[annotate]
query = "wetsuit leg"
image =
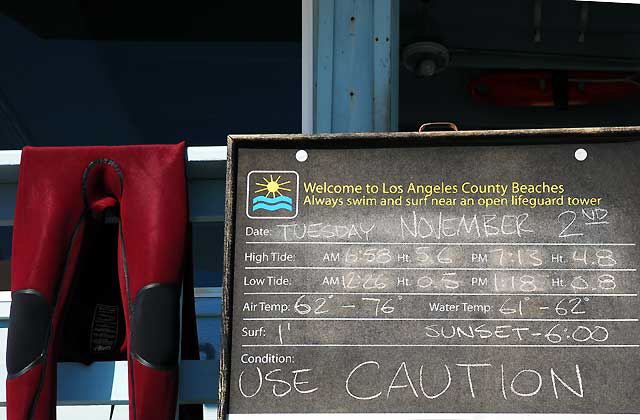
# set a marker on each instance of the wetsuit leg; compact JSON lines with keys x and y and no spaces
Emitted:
{"x":48,"y":230}
{"x":152,"y":241}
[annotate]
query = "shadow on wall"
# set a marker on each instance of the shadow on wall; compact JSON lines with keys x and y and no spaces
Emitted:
{"x":5,"y":275}
{"x":5,"y":257}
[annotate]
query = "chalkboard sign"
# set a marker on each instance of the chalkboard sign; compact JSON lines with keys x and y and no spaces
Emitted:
{"x":473,"y":272}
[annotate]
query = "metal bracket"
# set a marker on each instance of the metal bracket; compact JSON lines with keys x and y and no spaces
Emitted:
{"x":425,"y":58}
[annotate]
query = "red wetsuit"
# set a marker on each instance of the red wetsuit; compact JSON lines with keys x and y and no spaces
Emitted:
{"x":85,"y":288}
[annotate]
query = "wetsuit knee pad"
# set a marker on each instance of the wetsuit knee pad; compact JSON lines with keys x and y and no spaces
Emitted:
{"x":156,"y":326}
{"x":29,"y":327}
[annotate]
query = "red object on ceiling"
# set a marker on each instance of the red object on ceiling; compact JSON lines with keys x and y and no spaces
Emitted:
{"x":541,"y":88}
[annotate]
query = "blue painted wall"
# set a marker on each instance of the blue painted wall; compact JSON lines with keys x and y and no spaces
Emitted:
{"x":65,"y":92}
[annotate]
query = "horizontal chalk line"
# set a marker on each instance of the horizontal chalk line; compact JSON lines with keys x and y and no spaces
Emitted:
{"x":436,"y":243}
{"x":449,"y":319}
{"x":447,"y":345}
{"x":444,"y":294}
{"x":442,"y":268}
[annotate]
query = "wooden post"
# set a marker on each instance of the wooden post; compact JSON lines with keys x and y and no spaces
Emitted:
{"x":355,"y":65}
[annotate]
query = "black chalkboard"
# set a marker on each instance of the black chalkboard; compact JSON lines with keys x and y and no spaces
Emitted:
{"x":471,"y":272}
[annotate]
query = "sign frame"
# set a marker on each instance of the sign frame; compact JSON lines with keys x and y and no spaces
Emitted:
{"x":371,"y":140}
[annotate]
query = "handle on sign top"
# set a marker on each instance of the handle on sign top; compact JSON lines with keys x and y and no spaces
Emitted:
{"x":451,"y":126}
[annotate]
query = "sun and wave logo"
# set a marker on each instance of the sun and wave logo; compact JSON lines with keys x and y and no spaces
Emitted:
{"x":272,"y":194}
{"x":275,"y":188}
